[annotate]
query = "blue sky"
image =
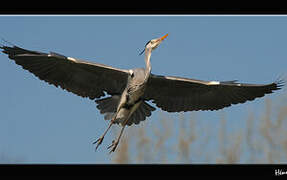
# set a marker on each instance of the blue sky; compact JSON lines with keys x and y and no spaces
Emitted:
{"x":44,"y":124}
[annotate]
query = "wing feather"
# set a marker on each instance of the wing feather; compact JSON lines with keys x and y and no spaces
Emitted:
{"x":175,"y":94}
{"x":82,"y":78}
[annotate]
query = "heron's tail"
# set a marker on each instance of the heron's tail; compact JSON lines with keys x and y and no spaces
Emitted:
{"x":143,"y":111}
{"x":108,"y":106}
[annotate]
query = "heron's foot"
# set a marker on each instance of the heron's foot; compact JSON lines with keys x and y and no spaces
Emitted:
{"x":99,"y":141}
{"x":113,"y":146}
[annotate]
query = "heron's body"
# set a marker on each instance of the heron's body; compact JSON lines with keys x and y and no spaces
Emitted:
{"x":131,"y":97}
{"x":130,"y":90}
{"x":135,"y":87}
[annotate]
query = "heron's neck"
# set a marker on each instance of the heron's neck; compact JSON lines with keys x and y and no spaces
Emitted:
{"x":148,"y":64}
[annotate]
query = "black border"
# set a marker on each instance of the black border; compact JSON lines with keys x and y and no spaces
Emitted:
{"x":141,"y":170}
{"x":142,"y":7}
{"x":138,"y":170}
{"x":143,"y":11}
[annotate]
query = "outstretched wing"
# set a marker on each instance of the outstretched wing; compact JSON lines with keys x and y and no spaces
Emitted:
{"x":175,"y":94}
{"x":82,"y":78}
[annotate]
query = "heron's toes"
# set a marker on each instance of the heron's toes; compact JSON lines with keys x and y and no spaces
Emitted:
{"x":113,"y":146}
{"x":98,"y":141}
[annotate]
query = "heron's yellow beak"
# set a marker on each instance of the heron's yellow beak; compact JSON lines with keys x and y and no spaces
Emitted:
{"x":163,"y":37}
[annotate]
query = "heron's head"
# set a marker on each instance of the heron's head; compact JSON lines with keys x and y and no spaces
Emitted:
{"x":154,"y":43}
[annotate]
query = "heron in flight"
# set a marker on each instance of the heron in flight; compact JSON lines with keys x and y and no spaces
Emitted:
{"x":129,"y":90}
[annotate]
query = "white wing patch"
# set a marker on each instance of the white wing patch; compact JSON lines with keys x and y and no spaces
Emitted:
{"x":72,"y":59}
{"x":213,"y":83}
{"x":131,"y":72}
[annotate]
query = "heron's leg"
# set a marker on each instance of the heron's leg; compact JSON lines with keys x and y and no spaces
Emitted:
{"x":115,"y":143}
{"x":100,"y":140}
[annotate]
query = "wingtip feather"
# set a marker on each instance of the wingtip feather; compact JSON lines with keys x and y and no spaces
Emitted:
{"x":280,"y":83}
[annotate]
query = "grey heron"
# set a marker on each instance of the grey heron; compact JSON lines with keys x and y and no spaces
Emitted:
{"x":129,"y":90}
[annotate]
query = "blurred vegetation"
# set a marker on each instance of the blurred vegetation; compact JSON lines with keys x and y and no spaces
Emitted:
{"x":183,"y":138}
{"x":262,"y":139}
